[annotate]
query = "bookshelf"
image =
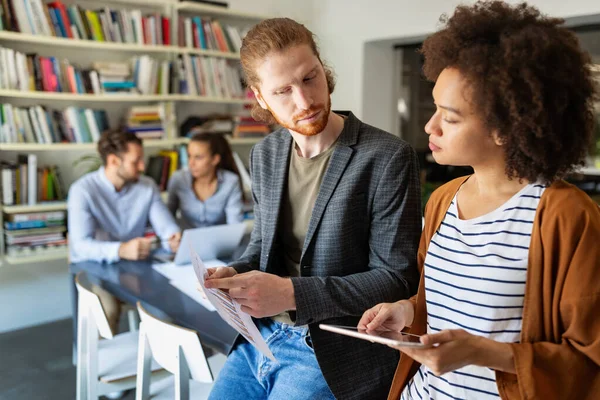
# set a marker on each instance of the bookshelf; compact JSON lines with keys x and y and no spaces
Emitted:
{"x":179,"y":105}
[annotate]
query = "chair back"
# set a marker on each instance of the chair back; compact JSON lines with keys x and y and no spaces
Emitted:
{"x":90,"y":306}
{"x":168,"y":341}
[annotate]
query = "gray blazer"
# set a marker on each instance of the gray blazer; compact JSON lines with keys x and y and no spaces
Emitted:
{"x":360,"y":248}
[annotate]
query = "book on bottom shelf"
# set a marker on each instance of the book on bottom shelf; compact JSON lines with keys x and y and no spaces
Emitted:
{"x":28,"y":234}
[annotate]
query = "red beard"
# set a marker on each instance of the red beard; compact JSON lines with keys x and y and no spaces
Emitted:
{"x":308,"y":129}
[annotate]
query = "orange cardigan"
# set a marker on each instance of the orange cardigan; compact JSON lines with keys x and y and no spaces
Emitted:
{"x":559,"y":353}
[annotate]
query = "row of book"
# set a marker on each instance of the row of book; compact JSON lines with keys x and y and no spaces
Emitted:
{"x":31,"y":233}
{"x":40,"y":125}
{"x":73,"y":22}
{"x":23,"y":182}
{"x":32,"y":72}
{"x":206,"y":76}
{"x":207,"y":34}
{"x":115,"y":25}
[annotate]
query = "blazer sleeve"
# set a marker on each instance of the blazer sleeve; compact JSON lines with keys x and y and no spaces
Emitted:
{"x":570,"y":366}
{"x":392,"y":273}
{"x":250,"y":260}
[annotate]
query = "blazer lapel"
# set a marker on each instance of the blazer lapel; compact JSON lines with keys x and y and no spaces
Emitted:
{"x":337,"y":165}
{"x":280,"y":171}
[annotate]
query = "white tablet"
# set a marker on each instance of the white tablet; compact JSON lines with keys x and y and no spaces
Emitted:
{"x":390,"y":338}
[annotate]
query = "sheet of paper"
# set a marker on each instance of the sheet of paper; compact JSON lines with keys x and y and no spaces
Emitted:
{"x":183,"y":278}
{"x":230,"y":310}
{"x":175,"y":272}
{"x":182,"y":272}
{"x":191,"y":289}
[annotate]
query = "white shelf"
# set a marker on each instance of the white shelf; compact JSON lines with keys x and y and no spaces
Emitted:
{"x":117,"y":98}
{"x":37,"y":95}
{"x":149,"y":143}
{"x":83,"y":44}
{"x":110,"y":46}
{"x":209,"y":53}
{"x":589,"y":171}
{"x":41,"y":207}
{"x":81,"y":146}
{"x":233,"y":141}
{"x":40,"y":257}
{"x":187,"y":6}
{"x":206,"y":99}
{"x":143,"y":3}
{"x":245,"y":140}
{"x":49,"y":206}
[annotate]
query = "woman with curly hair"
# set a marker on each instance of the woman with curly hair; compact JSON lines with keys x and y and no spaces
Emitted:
{"x":509,"y":256}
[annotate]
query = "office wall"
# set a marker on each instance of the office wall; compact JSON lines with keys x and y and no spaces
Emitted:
{"x":350,"y":30}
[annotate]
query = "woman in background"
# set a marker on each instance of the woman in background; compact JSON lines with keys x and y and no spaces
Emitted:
{"x":208,"y":192}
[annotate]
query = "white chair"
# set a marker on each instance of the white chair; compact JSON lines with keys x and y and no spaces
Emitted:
{"x":108,"y":365}
{"x":178,"y":350}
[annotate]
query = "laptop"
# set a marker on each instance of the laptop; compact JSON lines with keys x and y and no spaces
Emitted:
{"x":213,"y":242}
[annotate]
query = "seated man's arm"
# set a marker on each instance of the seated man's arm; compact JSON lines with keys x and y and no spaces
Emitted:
{"x":394,"y":237}
{"x":82,"y":230}
{"x":250,"y":260}
{"x":161,"y":219}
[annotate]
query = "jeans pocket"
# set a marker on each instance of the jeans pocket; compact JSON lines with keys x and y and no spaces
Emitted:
{"x":308,"y":342}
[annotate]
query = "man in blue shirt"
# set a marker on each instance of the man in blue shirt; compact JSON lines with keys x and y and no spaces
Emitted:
{"x":110,"y":209}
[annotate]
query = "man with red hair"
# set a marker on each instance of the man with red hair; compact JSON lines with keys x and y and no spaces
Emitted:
{"x":337,"y":225}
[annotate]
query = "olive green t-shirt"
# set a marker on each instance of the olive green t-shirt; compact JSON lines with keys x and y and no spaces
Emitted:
{"x":304,"y":181}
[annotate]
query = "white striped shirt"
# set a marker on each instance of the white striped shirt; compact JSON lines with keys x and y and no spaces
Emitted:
{"x":475,"y":272}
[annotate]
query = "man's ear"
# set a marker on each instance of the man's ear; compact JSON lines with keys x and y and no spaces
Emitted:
{"x":112,"y":160}
{"x":259,"y":98}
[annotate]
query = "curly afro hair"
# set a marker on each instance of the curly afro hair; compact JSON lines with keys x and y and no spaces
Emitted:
{"x":531,"y":82}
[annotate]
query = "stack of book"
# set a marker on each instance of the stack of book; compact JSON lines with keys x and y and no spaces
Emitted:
{"x":207,"y":34}
{"x":30,"y":233}
{"x":102,"y":25}
{"x":40,"y":125}
{"x":24,"y":183}
{"x":112,"y":77}
{"x":215,"y":123}
{"x":247,"y":127}
{"x":162,"y":166}
{"x":146,"y":122}
{"x":206,"y":76}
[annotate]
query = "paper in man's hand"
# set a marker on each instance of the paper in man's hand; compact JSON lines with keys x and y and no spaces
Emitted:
{"x":230,"y":310}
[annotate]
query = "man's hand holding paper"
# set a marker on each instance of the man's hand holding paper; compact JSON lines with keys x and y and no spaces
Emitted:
{"x":260,"y":294}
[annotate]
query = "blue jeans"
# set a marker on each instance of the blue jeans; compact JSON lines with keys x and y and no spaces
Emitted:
{"x":248,"y":375}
